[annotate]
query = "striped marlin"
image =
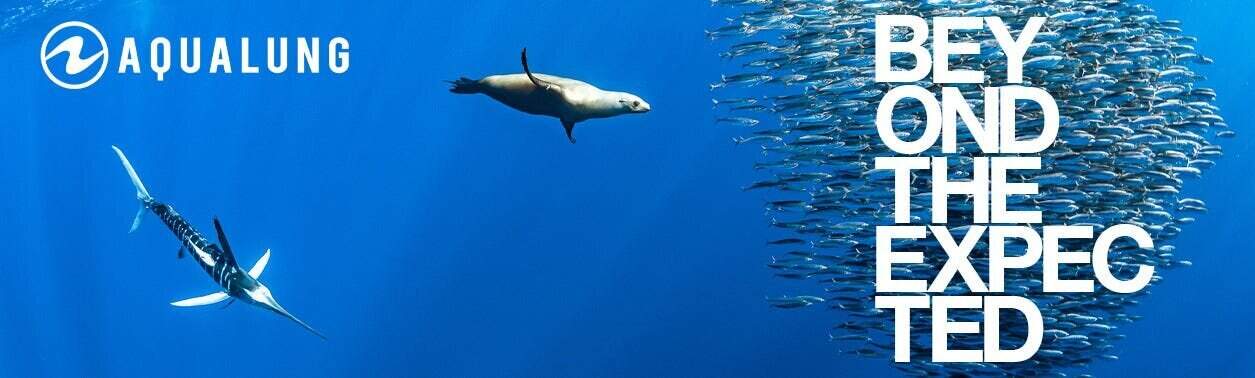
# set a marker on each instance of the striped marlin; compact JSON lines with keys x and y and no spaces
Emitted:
{"x":217,"y":260}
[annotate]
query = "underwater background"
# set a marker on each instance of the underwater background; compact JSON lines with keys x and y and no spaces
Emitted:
{"x":429,"y":234}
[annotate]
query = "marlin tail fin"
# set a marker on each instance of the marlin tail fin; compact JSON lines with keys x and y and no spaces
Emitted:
{"x":141,"y":193}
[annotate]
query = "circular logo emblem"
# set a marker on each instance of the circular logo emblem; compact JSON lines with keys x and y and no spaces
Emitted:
{"x":72,"y":44}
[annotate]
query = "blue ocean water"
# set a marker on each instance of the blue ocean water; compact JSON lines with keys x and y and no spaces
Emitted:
{"x":429,"y":234}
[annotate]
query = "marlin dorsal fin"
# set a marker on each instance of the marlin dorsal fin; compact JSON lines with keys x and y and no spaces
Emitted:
{"x":222,"y":238}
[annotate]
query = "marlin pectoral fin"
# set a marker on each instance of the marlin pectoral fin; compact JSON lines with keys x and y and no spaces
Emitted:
{"x":569,"y":126}
{"x":228,"y":303}
{"x":260,"y":266}
{"x":201,"y":300}
{"x":181,"y":248}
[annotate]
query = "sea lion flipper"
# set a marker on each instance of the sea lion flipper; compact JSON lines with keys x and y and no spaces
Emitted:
{"x":528,"y":70}
{"x":537,"y":82}
{"x":569,"y":126}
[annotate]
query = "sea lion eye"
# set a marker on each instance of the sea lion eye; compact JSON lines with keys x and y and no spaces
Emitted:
{"x":636,"y":103}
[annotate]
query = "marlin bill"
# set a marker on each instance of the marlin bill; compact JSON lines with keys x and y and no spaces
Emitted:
{"x":217,"y":260}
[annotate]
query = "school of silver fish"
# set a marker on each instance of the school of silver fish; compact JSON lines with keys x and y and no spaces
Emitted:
{"x":1135,"y":124}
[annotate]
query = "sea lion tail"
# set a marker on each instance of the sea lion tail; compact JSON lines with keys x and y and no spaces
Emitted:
{"x":464,"y":86}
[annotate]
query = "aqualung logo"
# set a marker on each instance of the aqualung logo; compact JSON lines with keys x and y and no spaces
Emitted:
{"x":75,"y":55}
{"x":71,"y":45}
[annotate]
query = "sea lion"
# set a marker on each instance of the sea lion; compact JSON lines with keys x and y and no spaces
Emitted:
{"x":571,"y":101}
